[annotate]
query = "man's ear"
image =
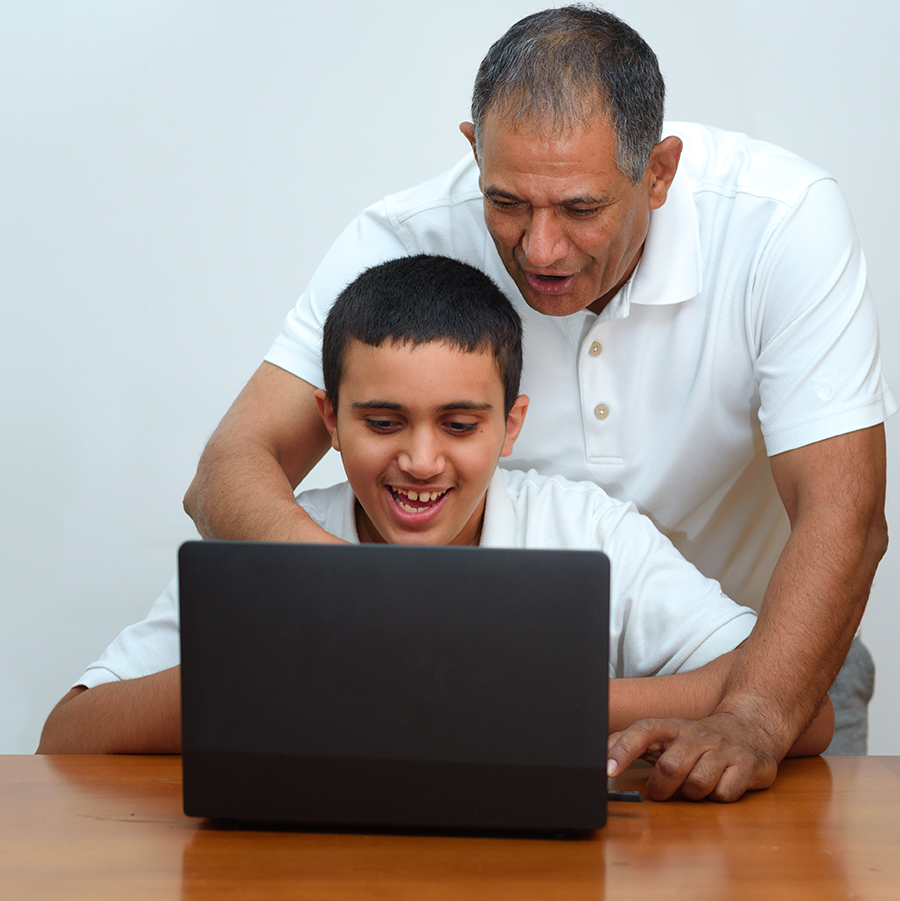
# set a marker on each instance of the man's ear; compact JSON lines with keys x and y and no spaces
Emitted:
{"x":514,"y":423}
{"x":663,"y":165}
{"x":468,"y":129}
{"x":329,"y":417}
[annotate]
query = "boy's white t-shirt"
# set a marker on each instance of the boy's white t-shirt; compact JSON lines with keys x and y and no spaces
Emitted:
{"x":665,"y":617}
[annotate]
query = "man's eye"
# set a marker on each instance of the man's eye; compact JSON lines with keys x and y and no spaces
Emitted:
{"x":502,"y":204}
{"x":380,"y":425}
{"x":462,"y":427}
{"x":582,"y":212}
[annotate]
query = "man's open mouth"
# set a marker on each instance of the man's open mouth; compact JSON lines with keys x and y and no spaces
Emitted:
{"x":549,"y":284}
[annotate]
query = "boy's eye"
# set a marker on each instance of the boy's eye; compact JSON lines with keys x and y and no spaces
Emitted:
{"x":380,"y":425}
{"x":461,"y":427}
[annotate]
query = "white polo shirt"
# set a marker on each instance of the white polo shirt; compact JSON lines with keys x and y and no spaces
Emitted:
{"x":665,"y":617}
{"x":746,"y":330}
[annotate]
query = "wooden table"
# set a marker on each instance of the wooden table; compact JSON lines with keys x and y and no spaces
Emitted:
{"x":112,"y":828}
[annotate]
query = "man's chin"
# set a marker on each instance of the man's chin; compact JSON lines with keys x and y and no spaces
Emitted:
{"x":549,"y":303}
{"x":553,"y":304}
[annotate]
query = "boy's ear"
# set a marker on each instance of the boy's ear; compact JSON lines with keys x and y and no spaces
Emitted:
{"x":329,"y":417}
{"x":514,"y":423}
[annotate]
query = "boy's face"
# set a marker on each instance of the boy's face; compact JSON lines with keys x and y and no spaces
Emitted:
{"x":420,"y":430}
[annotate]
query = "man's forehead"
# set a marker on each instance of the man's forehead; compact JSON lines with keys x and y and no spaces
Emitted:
{"x":531,"y":116}
{"x":575,"y":165}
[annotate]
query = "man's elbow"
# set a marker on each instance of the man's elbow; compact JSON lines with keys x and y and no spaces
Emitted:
{"x":190,"y":501}
{"x":877,"y":538}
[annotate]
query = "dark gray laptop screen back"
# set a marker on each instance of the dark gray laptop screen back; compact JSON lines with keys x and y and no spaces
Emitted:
{"x":394,"y":685}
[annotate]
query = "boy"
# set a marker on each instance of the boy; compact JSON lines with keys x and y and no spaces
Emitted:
{"x":421,"y":359}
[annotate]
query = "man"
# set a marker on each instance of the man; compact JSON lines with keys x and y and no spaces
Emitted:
{"x":422,"y":358}
{"x":699,"y":339}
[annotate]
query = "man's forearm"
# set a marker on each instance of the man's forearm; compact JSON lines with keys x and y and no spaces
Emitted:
{"x":265,"y":444}
{"x":834,"y":495}
{"x":813,"y":606}
{"x":135,"y":716}
{"x":241,"y":493}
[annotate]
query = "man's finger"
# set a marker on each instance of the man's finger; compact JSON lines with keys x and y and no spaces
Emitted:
{"x":678,"y":765}
{"x":736,"y":780}
{"x":637,"y":740}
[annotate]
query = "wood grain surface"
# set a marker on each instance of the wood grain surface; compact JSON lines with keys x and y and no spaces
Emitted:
{"x":86,"y":827}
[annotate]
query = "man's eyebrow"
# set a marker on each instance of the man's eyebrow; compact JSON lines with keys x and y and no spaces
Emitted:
{"x":586,"y":200}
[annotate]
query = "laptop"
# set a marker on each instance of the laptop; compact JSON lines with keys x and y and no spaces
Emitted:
{"x":407,"y":687}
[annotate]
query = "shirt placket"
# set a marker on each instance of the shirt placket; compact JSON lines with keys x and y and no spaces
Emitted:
{"x":601,"y":412}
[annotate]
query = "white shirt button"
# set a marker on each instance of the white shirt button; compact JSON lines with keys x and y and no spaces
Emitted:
{"x":595,"y":349}
{"x":601,"y":411}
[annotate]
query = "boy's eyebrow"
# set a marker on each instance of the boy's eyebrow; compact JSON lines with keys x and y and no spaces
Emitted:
{"x":467,"y":405}
{"x":391,"y":405}
{"x":376,"y":405}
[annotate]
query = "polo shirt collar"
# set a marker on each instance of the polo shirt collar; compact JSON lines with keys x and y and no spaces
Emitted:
{"x":499,"y":528}
{"x":670,"y":269}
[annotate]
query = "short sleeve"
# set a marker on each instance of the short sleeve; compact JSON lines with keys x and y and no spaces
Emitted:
{"x":665,"y":616}
{"x":147,"y":647}
{"x":369,"y":240}
{"x":813,"y":321}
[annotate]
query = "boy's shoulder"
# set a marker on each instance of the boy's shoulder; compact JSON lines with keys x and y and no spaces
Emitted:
{"x":552,"y":511}
{"x":332,"y":509}
{"x":521,"y":482}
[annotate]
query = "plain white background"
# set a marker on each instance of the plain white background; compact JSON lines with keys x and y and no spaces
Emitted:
{"x":172,"y":172}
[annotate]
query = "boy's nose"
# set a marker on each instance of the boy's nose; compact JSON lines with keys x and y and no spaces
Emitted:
{"x":422,"y":457}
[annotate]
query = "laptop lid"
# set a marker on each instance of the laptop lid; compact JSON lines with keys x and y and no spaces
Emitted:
{"x":395,"y":686}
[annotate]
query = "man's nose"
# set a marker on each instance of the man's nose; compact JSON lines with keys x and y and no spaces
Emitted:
{"x":421,"y":456}
{"x":544,"y":242}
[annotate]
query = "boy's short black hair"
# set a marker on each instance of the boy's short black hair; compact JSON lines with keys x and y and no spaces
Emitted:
{"x":418,"y":300}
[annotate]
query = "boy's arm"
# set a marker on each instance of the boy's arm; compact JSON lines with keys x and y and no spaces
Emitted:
{"x":655,"y":719}
{"x":134,"y":716}
{"x":690,"y":695}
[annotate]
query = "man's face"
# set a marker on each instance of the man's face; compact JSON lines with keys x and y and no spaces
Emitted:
{"x":568,"y":225}
{"x":420,"y":430}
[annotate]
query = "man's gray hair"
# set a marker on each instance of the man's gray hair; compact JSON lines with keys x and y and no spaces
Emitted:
{"x":562,"y":67}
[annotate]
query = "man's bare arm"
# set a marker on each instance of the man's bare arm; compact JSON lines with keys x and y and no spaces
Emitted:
{"x":268,"y":441}
{"x":135,"y":716}
{"x":833,"y":492}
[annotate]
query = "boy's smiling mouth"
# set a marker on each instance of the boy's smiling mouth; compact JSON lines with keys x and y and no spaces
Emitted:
{"x":415,"y":501}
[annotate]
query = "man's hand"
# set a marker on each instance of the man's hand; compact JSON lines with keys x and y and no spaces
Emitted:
{"x":719,"y":757}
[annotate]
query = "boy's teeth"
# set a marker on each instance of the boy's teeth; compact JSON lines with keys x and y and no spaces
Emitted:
{"x":424,"y":496}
